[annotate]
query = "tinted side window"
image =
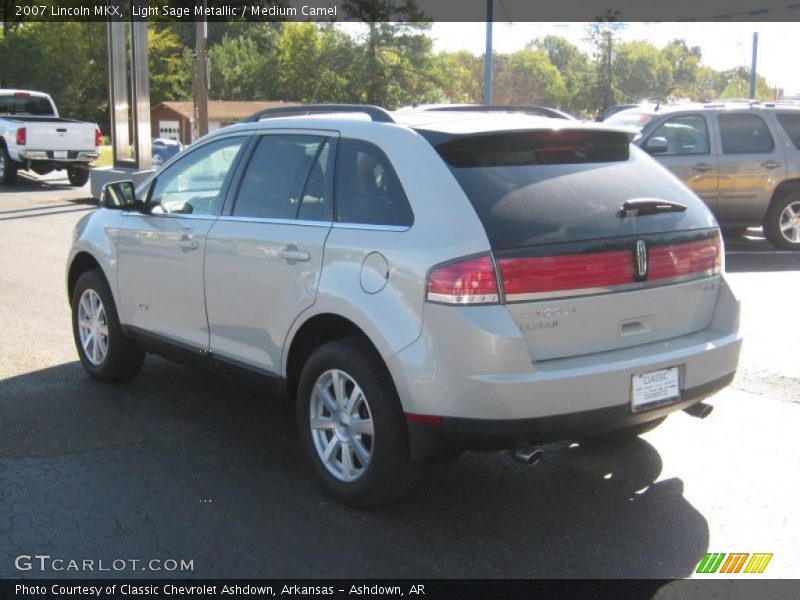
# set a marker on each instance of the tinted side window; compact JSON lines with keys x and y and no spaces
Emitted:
{"x":791,"y":125}
{"x":276,"y":175}
{"x":368,"y":190}
{"x":196,"y":184}
{"x":317,"y":201}
{"x":687,"y":134}
{"x":743,"y":134}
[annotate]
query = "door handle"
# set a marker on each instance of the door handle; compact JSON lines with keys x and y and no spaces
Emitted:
{"x":702,"y":167}
{"x":187,"y":244}
{"x":292,"y":253}
{"x":771,"y":164}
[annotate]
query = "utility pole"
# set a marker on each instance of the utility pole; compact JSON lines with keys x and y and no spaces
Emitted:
{"x":201,"y":75}
{"x":753,"y":67}
{"x":487,"y":62}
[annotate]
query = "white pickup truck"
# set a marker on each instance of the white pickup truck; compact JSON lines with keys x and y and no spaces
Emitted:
{"x":34,"y":137}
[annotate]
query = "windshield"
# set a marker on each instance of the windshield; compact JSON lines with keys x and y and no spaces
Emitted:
{"x":628,"y":118}
{"x":20,"y":104}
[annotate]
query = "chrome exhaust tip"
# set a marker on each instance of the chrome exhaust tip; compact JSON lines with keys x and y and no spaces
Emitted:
{"x":527,"y":455}
{"x":699,"y":410}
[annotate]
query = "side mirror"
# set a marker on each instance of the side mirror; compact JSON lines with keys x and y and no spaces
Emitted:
{"x":119,"y":195}
{"x":656,"y":145}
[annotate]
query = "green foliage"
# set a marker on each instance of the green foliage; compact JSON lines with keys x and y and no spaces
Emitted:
{"x":528,"y":77}
{"x":641,"y":71}
{"x":391,"y":63}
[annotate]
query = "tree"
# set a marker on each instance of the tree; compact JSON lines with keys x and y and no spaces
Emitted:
{"x":577,"y":71}
{"x":396,"y":63}
{"x":170,"y":65}
{"x":641,"y":72}
{"x":460,"y":77}
{"x":528,"y":77}
{"x":685,"y":64}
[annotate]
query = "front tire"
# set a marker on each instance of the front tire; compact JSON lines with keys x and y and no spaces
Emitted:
{"x":782,"y":223}
{"x":352,"y":426}
{"x":106,"y":354}
{"x":8,"y":169}
{"x":77,"y":176}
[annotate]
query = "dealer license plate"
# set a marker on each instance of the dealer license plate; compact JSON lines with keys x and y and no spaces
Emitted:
{"x":655,"y":388}
{"x":59,"y":154}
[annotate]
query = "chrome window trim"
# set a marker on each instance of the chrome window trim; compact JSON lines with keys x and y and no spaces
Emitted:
{"x":272,"y":221}
{"x":626,"y":287}
{"x":368,"y":226}
{"x":208,"y":217}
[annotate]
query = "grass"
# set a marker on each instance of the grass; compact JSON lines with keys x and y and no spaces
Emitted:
{"x":106,"y":157}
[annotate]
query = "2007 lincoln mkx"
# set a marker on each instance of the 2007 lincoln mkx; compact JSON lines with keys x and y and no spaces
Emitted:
{"x":387,"y":272}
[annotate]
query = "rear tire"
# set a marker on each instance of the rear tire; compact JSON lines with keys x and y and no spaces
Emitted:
{"x":782,"y":222}
{"x":106,"y":354}
{"x":628,"y":433}
{"x":77,"y":176}
{"x":8,"y":168}
{"x":352,"y":427}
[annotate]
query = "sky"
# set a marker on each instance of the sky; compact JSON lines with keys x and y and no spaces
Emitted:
{"x":724,"y":44}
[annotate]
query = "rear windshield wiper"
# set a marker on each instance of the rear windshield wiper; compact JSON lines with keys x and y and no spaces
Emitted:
{"x":648,"y":206}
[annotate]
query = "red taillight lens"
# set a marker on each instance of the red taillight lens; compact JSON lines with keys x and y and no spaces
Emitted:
{"x":531,"y":278}
{"x":470,"y":281}
{"x":22,"y":136}
{"x":98,"y":137}
{"x":547,"y":274}
{"x":679,"y":260}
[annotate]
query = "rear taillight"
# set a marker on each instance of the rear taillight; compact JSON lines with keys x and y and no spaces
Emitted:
{"x":22,"y":136}
{"x":98,"y":137}
{"x":691,"y":258}
{"x":525,"y":278}
{"x":469,"y":281}
{"x":532,"y":278}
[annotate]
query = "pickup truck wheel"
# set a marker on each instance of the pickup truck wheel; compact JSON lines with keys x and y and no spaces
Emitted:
{"x":352,"y":426}
{"x":77,"y":176}
{"x":782,"y":223}
{"x":8,"y":170}
{"x":105,"y":352}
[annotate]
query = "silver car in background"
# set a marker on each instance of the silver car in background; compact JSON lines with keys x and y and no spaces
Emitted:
{"x":420,"y":283}
{"x":742,"y":159}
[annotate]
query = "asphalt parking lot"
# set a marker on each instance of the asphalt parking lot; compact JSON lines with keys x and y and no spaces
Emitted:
{"x":180,"y":464}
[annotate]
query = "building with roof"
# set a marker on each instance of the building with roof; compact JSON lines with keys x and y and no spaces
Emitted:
{"x":174,"y":120}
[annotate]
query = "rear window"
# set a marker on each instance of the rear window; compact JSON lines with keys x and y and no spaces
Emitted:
{"x":530,"y":188}
{"x":791,"y":125}
{"x":13,"y":104}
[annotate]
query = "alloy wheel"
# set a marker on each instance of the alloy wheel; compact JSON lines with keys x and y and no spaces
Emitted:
{"x":93,"y":327}
{"x":789,"y":222}
{"x":341,"y":425}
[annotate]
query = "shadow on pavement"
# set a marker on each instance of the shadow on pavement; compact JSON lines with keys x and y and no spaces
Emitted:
{"x":182,"y":464}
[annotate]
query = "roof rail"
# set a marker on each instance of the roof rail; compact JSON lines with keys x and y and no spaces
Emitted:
{"x":376,"y":113}
{"x":539,"y":111}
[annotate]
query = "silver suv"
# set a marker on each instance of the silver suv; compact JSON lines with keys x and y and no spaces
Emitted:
{"x":742,"y":159}
{"x":419,"y":284}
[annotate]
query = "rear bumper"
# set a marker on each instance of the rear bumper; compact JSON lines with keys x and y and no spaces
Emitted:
{"x":433,"y":442}
{"x":49,"y":156}
{"x":472,"y":367}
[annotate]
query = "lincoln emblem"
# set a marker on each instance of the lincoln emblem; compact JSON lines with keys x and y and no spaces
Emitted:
{"x":641,"y":260}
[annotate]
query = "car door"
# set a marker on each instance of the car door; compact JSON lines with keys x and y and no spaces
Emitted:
{"x":160,"y":253}
{"x":264,"y":255}
{"x":751,"y":164}
{"x":688,"y":154}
